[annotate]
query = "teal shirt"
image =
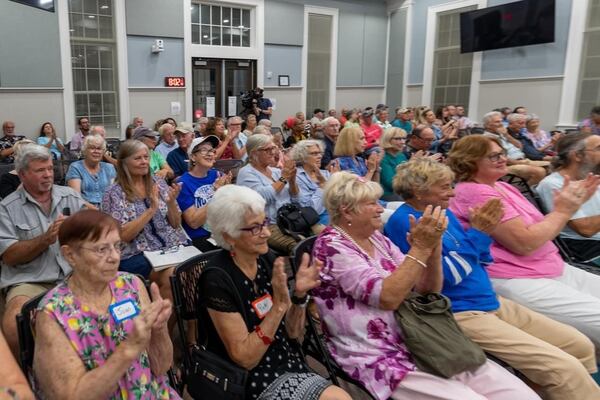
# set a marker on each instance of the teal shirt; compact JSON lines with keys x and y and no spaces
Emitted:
{"x":388,"y":170}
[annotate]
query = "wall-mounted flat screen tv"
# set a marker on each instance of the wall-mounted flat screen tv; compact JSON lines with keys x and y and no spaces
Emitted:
{"x":520,"y":23}
{"x":47,"y":5}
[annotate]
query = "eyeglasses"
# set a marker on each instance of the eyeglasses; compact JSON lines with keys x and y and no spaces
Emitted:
{"x":269,"y":149}
{"x":204,"y":152}
{"x":495,"y":157}
{"x":425,"y":140}
{"x":315,"y":153}
{"x":399,"y":138}
{"x":256,"y":229}
{"x":96,"y":148}
{"x":104,"y":249}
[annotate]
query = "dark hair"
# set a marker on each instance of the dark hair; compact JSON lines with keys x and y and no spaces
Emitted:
{"x":516,"y":108}
{"x":574,"y":142}
{"x":86,"y":225}
{"x":439,"y":114}
{"x":416,"y":132}
{"x":211,"y":125}
{"x":80,"y":118}
{"x":42,"y":134}
{"x":129,"y":131}
{"x":595,"y":110}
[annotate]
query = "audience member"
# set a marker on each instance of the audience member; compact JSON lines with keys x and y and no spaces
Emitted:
{"x":198,"y":186}
{"x":419,"y":142}
{"x":577,"y":156}
{"x":249,"y":124}
{"x":541,"y":139}
{"x":77,"y":139}
{"x":216,"y":127}
{"x":392,"y":143}
{"x":8,"y":141}
{"x":10,"y":181}
{"x":591,"y":124}
{"x":29,"y":222}
{"x":382,"y":117}
{"x":129,"y":131}
{"x":535,"y":345}
{"x":90,"y":342}
{"x":445,"y":133}
{"x":49,"y":139}
{"x":254,"y":337}
{"x":516,"y":128}
{"x":318,"y":115}
{"x":264,"y":107}
{"x":239,"y":138}
{"x":371,"y":130}
{"x":463,"y":121}
{"x":331,"y":131}
{"x":178,"y":158}
{"x":350,"y":144}
{"x":158,"y":165}
{"x":277,"y":186}
{"x":520,"y":110}
{"x":167,"y":140}
{"x":365,"y":277}
{"x":91,"y":176}
{"x":298,"y":133}
{"x":267,"y":124}
{"x":332,"y":113}
{"x":352,"y":119}
{"x":527,"y":267}
{"x":201,"y":126}
{"x":138,"y":121}
{"x":110,"y":151}
{"x":13,"y":384}
{"x":504,"y":112}
{"x":402,"y":120}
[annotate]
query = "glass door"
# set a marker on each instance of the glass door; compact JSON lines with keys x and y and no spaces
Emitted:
{"x":206,"y":84}
{"x":239,"y":78}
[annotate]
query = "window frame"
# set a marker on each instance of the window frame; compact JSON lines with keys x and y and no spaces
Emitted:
{"x":231,"y":6}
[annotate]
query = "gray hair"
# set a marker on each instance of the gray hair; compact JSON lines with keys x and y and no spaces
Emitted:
{"x":419,"y":175}
{"x":265,"y":122}
{"x":300,"y":151}
{"x":347,"y":190}
{"x":257,"y":141}
{"x":164,"y":127}
{"x":228,"y":210}
{"x":93,"y":139}
{"x":488,"y":117}
{"x":325,"y":122}
{"x":231,"y":119}
{"x":532,"y":117}
{"x":98,"y":130}
{"x":261,"y":129}
{"x":29,"y":153}
{"x":515,"y":117}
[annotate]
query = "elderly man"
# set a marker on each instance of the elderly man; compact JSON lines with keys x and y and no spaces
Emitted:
{"x":238,"y":145}
{"x":267,"y":124}
{"x":158,"y":165}
{"x":178,"y":159}
{"x":402,"y":120}
{"x":167,"y":140}
{"x":331,"y":131}
{"x":7,"y":142}
{"x":77,"y":140}
{"x":516,"y":129}
{"x":577,"y":155}
{"x":518,"y":164}
{"x":138,"y":121}
{"x":383,"y":115}
{"x":419,"y":141}
{"x":29,"y":221}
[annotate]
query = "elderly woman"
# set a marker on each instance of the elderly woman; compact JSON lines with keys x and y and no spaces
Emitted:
{"x":527,"y":266}
{"x":276,"y":186}
{"x":91,"y":176}
{"x":198,"y":186}
{"x":311,"y":179}
{"x":158,"y":164}
{"x":99,"y":334}
{"x":365,"y":278}
{"x":10,"y":181}
{"x":249,"y":125}
{"x":541,"y":139}
{"x":538,"y":349}
{"x":350,"y":143}
{"x":147,"y":209}
{"x":263,"y":343}
{"x":49,"y":139}
{"x":392,"y":142}
{"x":445,"y":134}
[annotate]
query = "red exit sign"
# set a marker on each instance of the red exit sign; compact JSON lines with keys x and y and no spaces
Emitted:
{"x":174,"y":81}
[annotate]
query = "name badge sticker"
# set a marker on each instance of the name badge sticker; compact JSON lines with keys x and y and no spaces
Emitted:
{"x":123,"y":310}
{"x":262,"y":305}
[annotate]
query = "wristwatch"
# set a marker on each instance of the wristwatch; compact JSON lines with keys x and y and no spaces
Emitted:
{"x":300,"y":301}
{"x":282,"y":179}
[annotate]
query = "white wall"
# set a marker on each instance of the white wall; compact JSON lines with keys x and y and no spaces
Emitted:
{"x":359,"y":97}
{"x":29,"y":109}
{"x":414,"y":94}
{"x":154,"y":104}
{"x":288,"y":102}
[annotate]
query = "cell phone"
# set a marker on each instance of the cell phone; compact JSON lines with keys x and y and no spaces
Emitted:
{"x":66,"y":211}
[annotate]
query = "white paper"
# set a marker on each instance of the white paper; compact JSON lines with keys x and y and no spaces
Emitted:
{"x":232,"y":105}
{"x":162,"y":259}
{"x":210,"y":107}
{"x":274,"y":104}
{"x":175,"y":108}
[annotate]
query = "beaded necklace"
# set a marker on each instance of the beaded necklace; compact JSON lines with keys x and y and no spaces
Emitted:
{"x":377,"y":246}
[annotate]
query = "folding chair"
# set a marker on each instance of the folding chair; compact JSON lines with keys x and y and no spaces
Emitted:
{"x":26,"y":334}
{"x":226,"y":166}
{"x":313,"y":344}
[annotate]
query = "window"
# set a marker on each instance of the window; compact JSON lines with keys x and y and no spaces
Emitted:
{"x":220,"y":26}
{"x":451,"y":70}
{"x":589,"y":88}
{"x":93,"y":61}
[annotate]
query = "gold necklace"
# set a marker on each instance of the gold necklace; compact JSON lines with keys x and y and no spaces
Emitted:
{"x":377,"y":246}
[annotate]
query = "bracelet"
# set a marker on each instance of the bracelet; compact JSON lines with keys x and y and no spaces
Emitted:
{"x":415,"y":259}
{"x":265,"y":339}
{"x":300,"y":301}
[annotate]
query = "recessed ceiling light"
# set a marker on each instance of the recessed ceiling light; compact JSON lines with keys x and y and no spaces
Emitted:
{"x":91,"y":16}
{"x":205,"y":36}
{"x":225,"y":21}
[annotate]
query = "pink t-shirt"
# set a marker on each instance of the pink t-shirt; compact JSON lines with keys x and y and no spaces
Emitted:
{"x":372,"y":133}
{"x":545,"y":262}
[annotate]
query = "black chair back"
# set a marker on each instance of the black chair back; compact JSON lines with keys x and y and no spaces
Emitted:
{"x":26,"y":334}
{"x":226,"y":166}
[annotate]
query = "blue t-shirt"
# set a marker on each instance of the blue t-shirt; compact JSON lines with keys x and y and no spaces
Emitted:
{"x":464,"y":257}
{"x":196,"y":192}
{"x":92,"y":186}
{"x":358,"y":167}
{"x":43,"y":141}
{"x":178,"y":161}
{"x":406,"y":125}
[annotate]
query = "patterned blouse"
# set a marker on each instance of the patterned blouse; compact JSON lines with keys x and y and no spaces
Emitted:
{"x":363,"y":339}
{"x":6,"y":142}
{"x":157,"y":234}
{"x":96,"y":336}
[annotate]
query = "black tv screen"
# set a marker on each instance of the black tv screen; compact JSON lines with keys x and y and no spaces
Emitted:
{"x":47,"y":5}
{"x":521,"y":23}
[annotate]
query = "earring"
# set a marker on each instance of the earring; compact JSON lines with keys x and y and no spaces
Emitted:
{"x":349,"y":223}
{"x":232,"y":252}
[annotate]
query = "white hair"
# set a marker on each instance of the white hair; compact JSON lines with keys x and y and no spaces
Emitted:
{"x":228,"y":210}
{"x":93,"y":139}
{"x":300,"y":150}
{"x":261,"y":129}
{"x":265,"y":122}
{"x":325,"y":122}
{"x":488,"y":117}
{"x":31,"y":152}
{"x":516,"y":117}
{"x":232,"y":119}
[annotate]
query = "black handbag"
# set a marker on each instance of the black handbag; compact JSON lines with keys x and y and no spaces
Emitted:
{"x":212,"y":376}
{"x":433,"y":337}
{"x":296,"y":221}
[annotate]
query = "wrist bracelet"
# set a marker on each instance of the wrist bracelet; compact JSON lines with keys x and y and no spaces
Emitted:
{"x":265,"y":339}
{"x":415,"y":259}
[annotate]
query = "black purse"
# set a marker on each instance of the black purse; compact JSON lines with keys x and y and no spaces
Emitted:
{"x":212,"y":376}
{"x":296,"y":221}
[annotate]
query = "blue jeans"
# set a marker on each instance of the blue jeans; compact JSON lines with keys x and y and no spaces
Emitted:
{"x":137,"y":264}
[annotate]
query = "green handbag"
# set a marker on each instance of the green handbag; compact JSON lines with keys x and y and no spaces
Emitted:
{"x":433,"y":337}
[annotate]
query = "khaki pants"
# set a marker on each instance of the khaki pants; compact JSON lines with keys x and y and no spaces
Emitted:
{"x":553,"y":355}
{"x":280,"y":241}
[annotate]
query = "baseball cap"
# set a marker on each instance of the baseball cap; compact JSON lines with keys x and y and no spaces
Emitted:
{"x":318,"y":110}
{"x":198,"y":141}
{"x":402,"y":110}
{"x":184,"y":128}
{"x":142,"y":132}
{"x":367,"y":112}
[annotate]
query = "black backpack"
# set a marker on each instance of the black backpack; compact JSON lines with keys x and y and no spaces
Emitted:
{"x":296,"y":221}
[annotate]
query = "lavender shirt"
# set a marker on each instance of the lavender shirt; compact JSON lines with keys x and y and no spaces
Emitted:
{"x":364,"y":340}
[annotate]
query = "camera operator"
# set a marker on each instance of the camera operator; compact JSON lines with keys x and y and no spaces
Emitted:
{"x":263,"y":109}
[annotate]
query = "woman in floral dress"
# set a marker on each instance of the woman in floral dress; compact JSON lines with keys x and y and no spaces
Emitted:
{"x":365,"y":278}
{"x":99,"y":334}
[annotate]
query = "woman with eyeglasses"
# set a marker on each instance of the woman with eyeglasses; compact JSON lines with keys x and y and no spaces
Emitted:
{"x":251,"y":318}
{"x":348,"y":148}
{"x":99,"y":333}
{"x":198,"y":186}
{"x":392,"y":142}
{"x":276,"y":186}
{"x":527,"y":266}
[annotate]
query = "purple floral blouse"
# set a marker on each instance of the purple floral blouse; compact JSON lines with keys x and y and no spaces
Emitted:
{"x":157,"y":234}
{"x":364,"y":340}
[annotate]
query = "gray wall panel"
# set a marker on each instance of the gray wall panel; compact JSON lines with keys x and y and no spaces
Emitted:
{"x":29,"y":49}
{"x":284,"y":23}
{"x":149,"y":70}
{"x":155,"y":18}
{"x":283,"y":60}
{"x":395,"y":78}
{"x":374,"y":50}
{"x":350,"y":46}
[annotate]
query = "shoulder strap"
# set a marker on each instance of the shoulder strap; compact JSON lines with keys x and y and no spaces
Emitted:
{"x":233,"y":288}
